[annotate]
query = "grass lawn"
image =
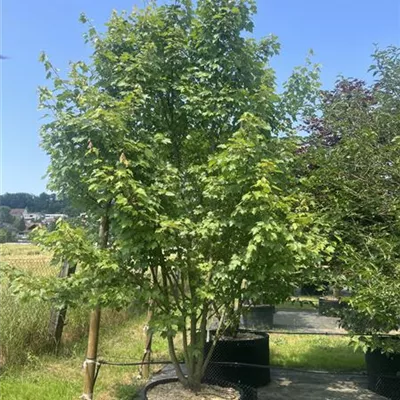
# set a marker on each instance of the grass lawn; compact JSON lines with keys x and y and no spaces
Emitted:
{"x":300,"y":303}
{"x":316,"y":352}
{"x":49,"y":378}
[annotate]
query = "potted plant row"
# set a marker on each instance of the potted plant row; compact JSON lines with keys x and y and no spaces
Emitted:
{"x":378,"y":335}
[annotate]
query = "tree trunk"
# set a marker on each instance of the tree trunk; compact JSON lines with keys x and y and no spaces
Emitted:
{"x":57,"y":316}
{"x":175,"y":362}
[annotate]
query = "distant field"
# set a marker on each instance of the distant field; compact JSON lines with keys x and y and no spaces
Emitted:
{"x":27,"y":257}
{"x":15,"y":249}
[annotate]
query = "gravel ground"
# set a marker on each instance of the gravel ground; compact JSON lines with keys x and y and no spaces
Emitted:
{"x":287,"y":384}
{"x":175,"y":391}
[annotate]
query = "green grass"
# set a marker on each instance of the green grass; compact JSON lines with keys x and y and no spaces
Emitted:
{"x":24,"y":324}
{"x":23,"y":328}
{"x":50,"y":377}
{"x":299,"y":303}
{"x":316,"y":352}
{"x":41,"y":387}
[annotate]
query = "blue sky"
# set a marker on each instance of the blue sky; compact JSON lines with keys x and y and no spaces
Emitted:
{"x":341,"y":33}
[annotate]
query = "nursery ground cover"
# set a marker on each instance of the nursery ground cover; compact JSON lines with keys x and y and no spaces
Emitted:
{"x":48,"y":377}
{"x":35,"y":374}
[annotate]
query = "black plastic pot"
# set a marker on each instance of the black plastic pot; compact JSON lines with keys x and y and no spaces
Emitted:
{"x":329,"y":307}
{"x":245,"y":393}
{"x":244,"y":351}
{"x":313,"y":290}
{"x":383,"y":373}
{"x":259,"y":317}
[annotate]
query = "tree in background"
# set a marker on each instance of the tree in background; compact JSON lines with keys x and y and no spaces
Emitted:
{"x":19,"y":224}
{"x":7,"y":235}
{"x":7,"y":225}
{"x":353,"y":160}
{"x":18,"y":200}
{"x":5,"y":215}
{"x":44,"y":203}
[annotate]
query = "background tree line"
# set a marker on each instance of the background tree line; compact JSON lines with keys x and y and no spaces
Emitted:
{"x":43,"y":203}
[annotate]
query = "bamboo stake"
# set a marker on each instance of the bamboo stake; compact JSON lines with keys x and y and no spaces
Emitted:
{"x":145,"y":370}
{"x":90,"y":363}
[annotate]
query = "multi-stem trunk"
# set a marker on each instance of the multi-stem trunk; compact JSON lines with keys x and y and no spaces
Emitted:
{"x":193,"y":351}
{"x":234,"y":312}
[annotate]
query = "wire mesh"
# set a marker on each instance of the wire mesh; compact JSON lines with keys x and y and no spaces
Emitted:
{"x":385,"y":385}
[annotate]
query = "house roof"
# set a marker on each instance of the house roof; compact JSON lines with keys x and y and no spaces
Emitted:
{"x":17,"y":212}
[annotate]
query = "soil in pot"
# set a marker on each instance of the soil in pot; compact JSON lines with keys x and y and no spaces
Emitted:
{"x":259,"y":317}
{"x":175,"y":391}
{"x":383,"y":373}
{"x":247,"y":348}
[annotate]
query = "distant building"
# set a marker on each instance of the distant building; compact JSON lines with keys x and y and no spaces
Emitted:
{"x":17,"y":212}
{"x":31,"y":217}
{"x":32,"y":226}
{"x":22,"y":238}
{"x":53,"y":217}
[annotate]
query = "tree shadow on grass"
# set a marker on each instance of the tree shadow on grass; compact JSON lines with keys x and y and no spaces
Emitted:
{"x":127,"y":391}
{"x":294,"y":385}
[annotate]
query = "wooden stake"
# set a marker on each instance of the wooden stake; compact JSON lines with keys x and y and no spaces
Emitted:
{"x":90,"y":363}
{"x":145,"y":370}
{"x":57,"y":316}
{"x":91,"y":354}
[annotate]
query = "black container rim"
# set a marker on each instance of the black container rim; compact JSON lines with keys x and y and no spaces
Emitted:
{"x":263,"y":334}
{"x":259,"y":306}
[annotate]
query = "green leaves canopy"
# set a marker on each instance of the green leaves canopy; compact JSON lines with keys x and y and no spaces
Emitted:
{"x":174,"y":132}
{"x":353,"y":159}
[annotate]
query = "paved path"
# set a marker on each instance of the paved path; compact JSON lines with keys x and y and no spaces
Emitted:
{"x":295,"y":385}
{"x":306,"y":321}
{"x":289,"y":384}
